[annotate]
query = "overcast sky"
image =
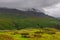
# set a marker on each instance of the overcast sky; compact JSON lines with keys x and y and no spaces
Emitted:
{"x":51,"y":7}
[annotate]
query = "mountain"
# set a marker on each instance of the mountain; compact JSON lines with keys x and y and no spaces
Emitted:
{"x":12,"y":19}
{"x":32,"y":12}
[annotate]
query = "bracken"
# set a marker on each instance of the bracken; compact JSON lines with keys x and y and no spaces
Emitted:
{"x":6,"y":37}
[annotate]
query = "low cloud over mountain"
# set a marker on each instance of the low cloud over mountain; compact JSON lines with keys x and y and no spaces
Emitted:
{"x":44,"y":4}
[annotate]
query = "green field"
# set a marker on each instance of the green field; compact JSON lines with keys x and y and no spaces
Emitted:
{"x":30,"y":34}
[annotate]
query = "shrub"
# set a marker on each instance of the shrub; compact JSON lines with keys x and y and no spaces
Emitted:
{"x":16,"y":33}
{"x":37,"y":35}
{"x":38,"y":32}
{"x":57,"y":26}
{"x":49,"y":31}
{"x":25,"y":35}
{"x":6,"y":37}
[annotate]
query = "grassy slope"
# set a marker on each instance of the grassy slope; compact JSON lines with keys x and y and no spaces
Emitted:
{"x":18,"y":22}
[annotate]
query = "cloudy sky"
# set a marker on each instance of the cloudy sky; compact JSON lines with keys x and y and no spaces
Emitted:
{"x":51,"y":7}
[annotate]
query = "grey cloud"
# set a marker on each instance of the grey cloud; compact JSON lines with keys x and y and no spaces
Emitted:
{"x":53,"y":10}
{"x":27,"y":3}
{"x":21,"y":4}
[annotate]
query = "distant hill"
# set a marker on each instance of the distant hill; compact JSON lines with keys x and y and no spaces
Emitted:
{"x":32,"y":13}
{"x":11,"y":19}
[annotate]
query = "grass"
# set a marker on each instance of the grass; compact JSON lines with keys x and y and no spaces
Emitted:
{"x":44,"y":34}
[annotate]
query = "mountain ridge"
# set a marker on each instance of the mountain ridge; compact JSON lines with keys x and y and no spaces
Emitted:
{"x":32,"y":12}
{"x":12,"y":19}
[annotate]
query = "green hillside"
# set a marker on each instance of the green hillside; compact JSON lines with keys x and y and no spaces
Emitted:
{"x":12,"y":19}
{"x":19,"y":22}
{"x":28,"y":25}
